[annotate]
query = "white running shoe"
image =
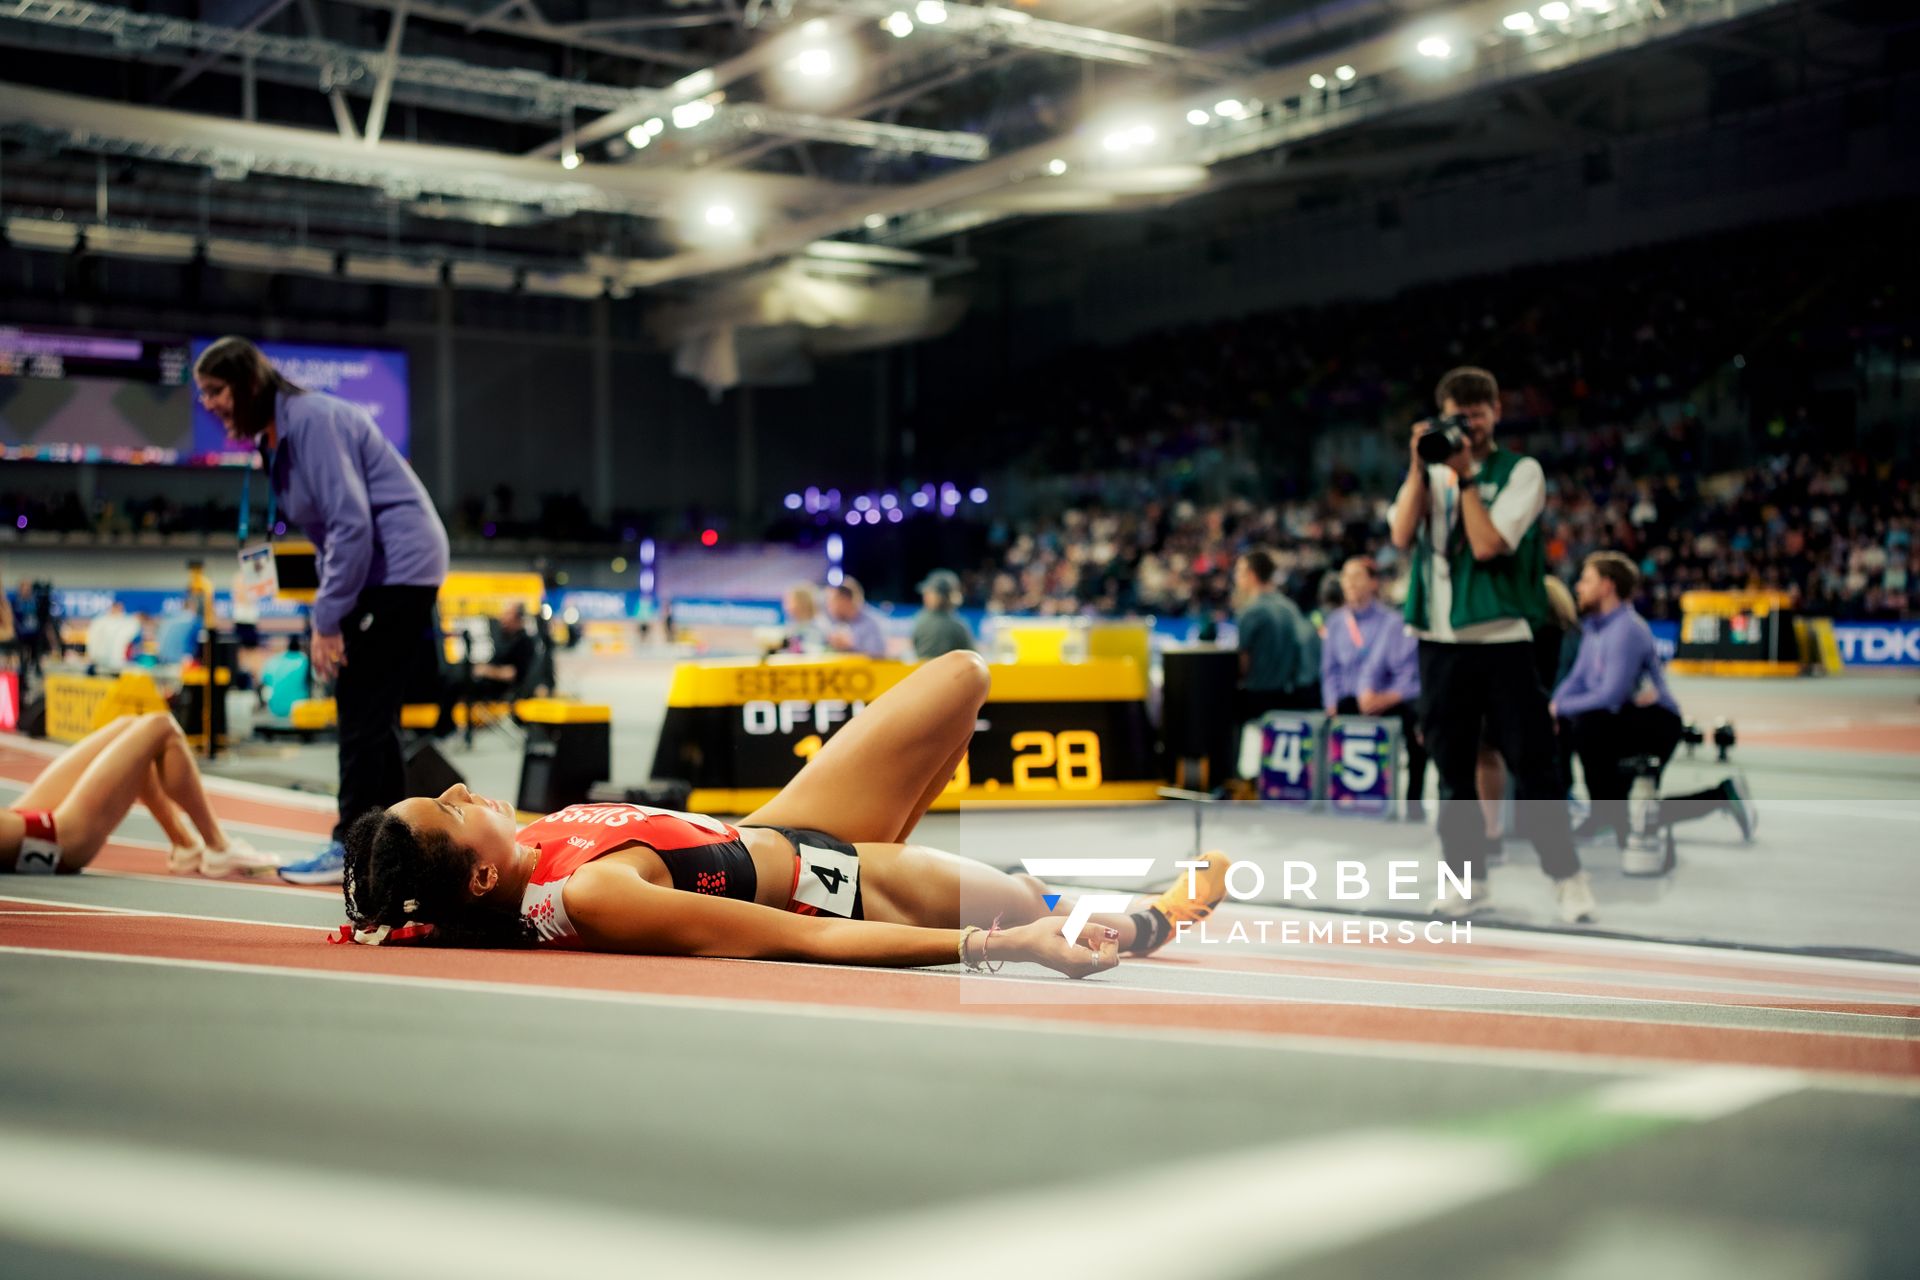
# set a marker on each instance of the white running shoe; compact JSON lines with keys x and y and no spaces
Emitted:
{"x":1574,"y":896}
{"x":238,"y":859}
{"x":1448,"y":905}
{"x":184,"y":859}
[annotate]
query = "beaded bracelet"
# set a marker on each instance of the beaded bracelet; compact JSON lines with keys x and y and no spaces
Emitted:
{"x":966,"y":934}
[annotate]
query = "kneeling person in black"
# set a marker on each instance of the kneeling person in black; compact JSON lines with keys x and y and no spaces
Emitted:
{"x":1618,"y":706}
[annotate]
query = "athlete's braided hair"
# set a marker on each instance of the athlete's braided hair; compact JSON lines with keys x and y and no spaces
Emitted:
{"x":396,"y":876}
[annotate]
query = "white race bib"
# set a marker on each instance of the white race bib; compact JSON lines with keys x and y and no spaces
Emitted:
{"x":829,"y":881}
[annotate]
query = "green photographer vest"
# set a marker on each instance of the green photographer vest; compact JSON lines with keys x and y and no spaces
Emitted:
{"x":1508,"y":586}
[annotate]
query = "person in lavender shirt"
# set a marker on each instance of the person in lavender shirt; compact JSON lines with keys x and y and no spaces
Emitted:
{"x":853,"y":627}
{"x":1388,"y":684}
{"x":381,"y":553}
{"x":1354,"y":630}
{"x":1616,"y":704}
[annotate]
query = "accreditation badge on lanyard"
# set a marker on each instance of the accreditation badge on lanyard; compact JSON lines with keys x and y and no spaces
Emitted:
{"x":259,"y":577}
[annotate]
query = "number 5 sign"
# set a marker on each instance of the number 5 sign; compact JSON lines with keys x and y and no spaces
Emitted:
{"x":1363,"y":766}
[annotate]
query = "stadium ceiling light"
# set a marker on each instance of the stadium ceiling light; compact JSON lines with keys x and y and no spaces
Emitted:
{"x":815,"y":64}
{"x":1231,"y":108}
{"x":638,"y":137}
{"x":1130,"y":137}
{"x":721,"y":215}
{"x":571,"y":160}
{"x":875,"y":221}
{"x":1317,"y":80}
{"x":1344,"y":73}
{"x":1435,"y":47}
{"x":1198,"y":117}
{"x":1056,"y":166}
{"x":655,"y":126}
{"x":1556,"y":11}
{"x":694,"y":85}
{"x":814,"y":29}
{"x":930,"y":12}
{"x":690,"y":114}
{"x":897,"y":24}
{"x":1521,"y":22}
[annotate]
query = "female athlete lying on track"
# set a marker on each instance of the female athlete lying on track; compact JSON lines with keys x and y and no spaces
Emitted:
{"x":609,"y":877}
{"x":65,"y":817}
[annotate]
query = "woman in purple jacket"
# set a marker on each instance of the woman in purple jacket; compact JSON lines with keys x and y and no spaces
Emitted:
{"x":380,"y":549}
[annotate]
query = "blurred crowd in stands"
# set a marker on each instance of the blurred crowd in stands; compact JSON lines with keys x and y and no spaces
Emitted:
{"x":1836,"y":532}
{"x":1731,"y":412}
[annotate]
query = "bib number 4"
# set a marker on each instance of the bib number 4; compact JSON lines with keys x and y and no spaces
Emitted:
{"x":829,"y":881}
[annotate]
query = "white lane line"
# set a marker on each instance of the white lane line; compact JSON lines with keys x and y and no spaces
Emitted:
{"x":1569,"y":1062}
{"x":1242,"y":1213}
{"x":251,"y":885}
{"x":182,"y":1210}
{"x":1168,"y":993}
{"x":1238,"y":1212}
{"x":153,"y":915}
{"x":1706,"y":1094}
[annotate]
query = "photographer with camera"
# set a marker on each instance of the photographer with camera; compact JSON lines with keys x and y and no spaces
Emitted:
{"x":1469,"y":511}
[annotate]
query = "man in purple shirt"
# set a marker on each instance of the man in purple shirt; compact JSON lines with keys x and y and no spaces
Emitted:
{"x":1354,"y":630}
{"x":1388,"y":684}
{"x":1617,"y":704}
{"x":852,"y":626}
{"x":380,"y":549}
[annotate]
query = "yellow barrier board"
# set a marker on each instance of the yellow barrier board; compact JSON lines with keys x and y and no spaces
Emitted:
{"x":734,"y":684}
{"x":561,"y":711}
{"x":740,"y":802}
{"x":1718,"y":667}
{"x":1826,"y":646}
{"x":1728,"y":603}
{"x":465,"y":595}
{"x":312,"y":715}
{"x":77,"y":705}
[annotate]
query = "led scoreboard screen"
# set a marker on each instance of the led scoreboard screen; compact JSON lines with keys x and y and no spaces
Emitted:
{"x":70,"y":395}
{"x":1049,"y":734}
{"x":73,"y":396}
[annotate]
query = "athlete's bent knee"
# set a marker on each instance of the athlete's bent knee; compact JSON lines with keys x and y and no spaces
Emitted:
{"x":967,"y":666}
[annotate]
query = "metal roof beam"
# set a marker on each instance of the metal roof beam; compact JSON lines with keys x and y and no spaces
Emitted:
{"x":536,"y":95}
{"x":533,"y":26}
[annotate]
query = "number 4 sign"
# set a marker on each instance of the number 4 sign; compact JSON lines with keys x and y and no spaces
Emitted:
{"x":1290,"y":764}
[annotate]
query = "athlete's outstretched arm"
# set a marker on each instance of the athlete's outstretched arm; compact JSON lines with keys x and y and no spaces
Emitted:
{"x":616,"y":910}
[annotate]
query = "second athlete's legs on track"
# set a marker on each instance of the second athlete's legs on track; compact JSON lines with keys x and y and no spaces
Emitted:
{"x":147,"y":751}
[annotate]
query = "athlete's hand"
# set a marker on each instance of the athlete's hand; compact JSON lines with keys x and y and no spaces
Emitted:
{"x":1042,"y":942}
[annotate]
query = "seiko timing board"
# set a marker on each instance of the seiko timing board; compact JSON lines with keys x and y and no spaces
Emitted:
{"x":1050,"y":734}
